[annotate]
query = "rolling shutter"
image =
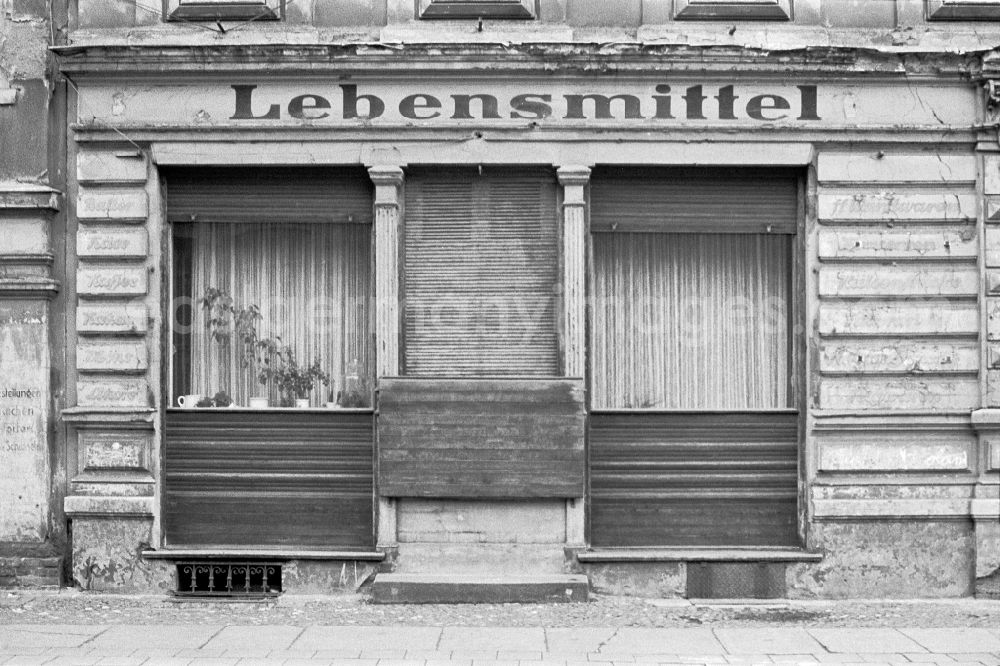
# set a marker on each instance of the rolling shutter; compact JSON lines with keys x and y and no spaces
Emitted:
{"x":274,"y":194}
{"x":694,"y":200}
{"x":480,"y":268}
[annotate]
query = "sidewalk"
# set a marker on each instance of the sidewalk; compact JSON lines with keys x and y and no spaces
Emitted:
{"x":399,"y":645}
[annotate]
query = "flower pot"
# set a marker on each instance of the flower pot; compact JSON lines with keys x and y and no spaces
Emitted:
{"x":302,"y":403}
{"x":258,"y":403}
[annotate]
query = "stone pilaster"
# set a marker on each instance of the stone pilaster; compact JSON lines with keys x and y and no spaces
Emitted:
{"x":115,"y":374}
{"x":574,"y":181}
{"x":388,"y":180}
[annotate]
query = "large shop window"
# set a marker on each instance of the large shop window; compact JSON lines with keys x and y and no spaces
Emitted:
{"x":694,"y":433}
{"x":272,"y":275}
{"x":480,"y":272}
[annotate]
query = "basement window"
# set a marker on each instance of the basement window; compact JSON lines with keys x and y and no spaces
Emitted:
{"x":228,"y":579}
{"x":476,"y":9}
{"x":226,"y":10}
{"x":733,"y":10}
{"x":963,"y":10}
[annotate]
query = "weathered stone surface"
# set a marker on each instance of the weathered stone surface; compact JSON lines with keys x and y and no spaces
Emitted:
{"x":120,"y":242}
{"x":991,"y":174}
{"x":992,"y":250}
{"x":111,"y":318}
{"x":890,"y":393}
{"x":876,"y":356}
{"x":900,"y":318}
{"x":106,"y":556}
{"x":456,"y":521}
{"x":889,"y":205}
{"x":325,"y":577}
{"x":109,"y":167}
{"x":993,"y":454}
{"x":24,"y":420}
{"x":123,"y":355}
{"x":639,"y":579}
{"x":112,"y":392}
{"x":899,"y":281}
{"x":121,"y":451}
{"x":118,"y":204}
{"x":886,"y":559}
{"x":111,"y":281}
{"x":851,"y":456}
{"x":874,"y":166}
{"x":24,"y":235}
{"x":901,"y":243}
{"x":993,"y":318}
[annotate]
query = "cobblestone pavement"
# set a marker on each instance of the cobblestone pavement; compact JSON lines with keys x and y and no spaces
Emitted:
{"x":85,"y":629}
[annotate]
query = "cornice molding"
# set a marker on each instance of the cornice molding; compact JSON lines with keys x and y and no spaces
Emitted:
{"x":478,"y":60}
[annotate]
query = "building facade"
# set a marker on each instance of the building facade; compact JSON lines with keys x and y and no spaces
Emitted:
{"x":693,"y":297}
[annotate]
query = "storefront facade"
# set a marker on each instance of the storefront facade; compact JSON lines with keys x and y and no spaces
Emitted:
{"x":688,"y":319}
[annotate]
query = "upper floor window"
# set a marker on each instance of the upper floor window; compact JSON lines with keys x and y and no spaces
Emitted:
{"x":733,"y":10}
{"x":225,"y":10}
{"x":963,"y":10}
{"x":474,"y":9}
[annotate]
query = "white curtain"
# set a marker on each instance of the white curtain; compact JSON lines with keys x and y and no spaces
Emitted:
{"x":691,"y":321}
{"x":311,"y":283}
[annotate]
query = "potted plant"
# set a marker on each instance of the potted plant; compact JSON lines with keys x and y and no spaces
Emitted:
{"x":295,"y":382}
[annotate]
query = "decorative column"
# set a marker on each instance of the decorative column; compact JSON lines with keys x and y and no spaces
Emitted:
{"x":388,"y":180}
{"x":574,"y":181}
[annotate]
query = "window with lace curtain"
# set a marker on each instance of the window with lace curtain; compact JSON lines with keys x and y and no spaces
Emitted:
{"x":692,"y":295}
{"x":271,"y":287}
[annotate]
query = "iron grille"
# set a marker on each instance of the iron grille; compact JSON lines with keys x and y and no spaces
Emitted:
{"x":735,"y":580}
{"x":228,"y":579}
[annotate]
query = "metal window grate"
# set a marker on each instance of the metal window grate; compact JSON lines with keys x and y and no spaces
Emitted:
{"x":228,"y":579}
{"x":735,"y":580}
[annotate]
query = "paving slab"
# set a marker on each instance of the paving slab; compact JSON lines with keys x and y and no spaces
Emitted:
{"x":47,"y":635}
{"x":577,"y":640}
{"x":956,"y":639}
{"x":643,"y":641}
{"x":321,"y":637}
{"x":154,"y":637}
{"x":864,"y":640}
{"x":492,"y":638}
{"x":246,"y":637}
{"x":767,"y":640}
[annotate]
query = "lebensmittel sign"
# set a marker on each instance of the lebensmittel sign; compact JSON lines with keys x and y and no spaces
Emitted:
{"x":662,"y":102}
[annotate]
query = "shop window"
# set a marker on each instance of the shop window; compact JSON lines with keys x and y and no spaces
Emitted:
{"x":225,"y":10}
{"x":692,"y":292}
{"x":474,"y":9}
{"x":963,"y":10}
{"x":271,"y":288}
{"x":733,"y":10}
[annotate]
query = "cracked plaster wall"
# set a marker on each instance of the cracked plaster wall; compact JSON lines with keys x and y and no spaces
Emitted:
{"x":24,"y":89}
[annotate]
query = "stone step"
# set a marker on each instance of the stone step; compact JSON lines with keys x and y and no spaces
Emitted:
{"x":414,"y":588}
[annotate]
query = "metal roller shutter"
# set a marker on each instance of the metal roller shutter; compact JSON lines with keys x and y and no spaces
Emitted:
{"x":480,"y":268}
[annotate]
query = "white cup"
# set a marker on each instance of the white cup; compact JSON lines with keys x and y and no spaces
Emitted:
{"x":188,"y":401}
{"x":258,"y":403}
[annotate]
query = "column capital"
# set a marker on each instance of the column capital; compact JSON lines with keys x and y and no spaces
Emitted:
{"x":573,"y":174}
{"x":386,"y":174}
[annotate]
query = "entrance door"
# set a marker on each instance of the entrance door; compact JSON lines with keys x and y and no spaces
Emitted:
{"x":694,"y":425}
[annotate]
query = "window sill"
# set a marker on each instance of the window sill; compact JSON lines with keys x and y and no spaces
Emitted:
{"x":275,"y":410}
{"x":261,"y":554}
{"x":602,"y":555}
{"x":227,"y":11}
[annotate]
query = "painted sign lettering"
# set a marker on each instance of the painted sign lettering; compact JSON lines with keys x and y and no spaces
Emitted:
{"x":696,"y":102}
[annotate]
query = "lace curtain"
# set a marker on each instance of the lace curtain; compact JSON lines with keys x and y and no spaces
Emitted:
{"x":311,"y":283}
{"x":691,"y":321}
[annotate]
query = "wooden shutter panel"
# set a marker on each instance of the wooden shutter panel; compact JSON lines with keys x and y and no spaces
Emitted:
{"x":274,"y":194}
{"x":694,"y":200}
{"x":480,"y":268}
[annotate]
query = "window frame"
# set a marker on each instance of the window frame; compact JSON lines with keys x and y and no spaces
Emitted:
{"x":477,"y":9}
{"x":732,"y":10}
{"x":959,"y":10}
{"x":223,"y":10}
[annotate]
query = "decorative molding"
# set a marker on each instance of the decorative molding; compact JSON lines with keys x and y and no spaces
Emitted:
{"x":388,"y":181}
{"x":733,"y":10}
{"x":963,"y":10}
{"x":891,"y":509}
{"x":97,"y":417}
{"x":28,"y":196}
{"x":85,"y":505}
{"x":477,"y":9}
{"x":574,"y":180}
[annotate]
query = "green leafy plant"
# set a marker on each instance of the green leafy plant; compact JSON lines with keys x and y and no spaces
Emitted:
{"x":294,"y":380}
